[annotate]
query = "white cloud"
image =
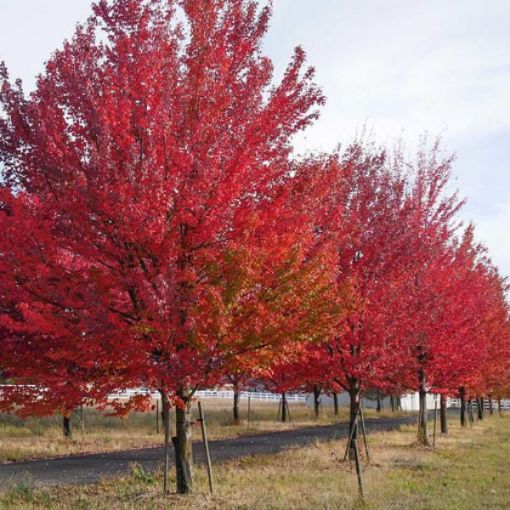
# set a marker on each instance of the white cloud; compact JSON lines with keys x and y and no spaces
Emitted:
{"x":494,"y":231}
{"x":408,"y":67}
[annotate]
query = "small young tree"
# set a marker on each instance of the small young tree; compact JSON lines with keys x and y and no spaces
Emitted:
{"x":371,"y":239}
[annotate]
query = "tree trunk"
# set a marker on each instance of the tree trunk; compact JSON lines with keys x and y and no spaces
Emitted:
{"x":378,"y":401}
{"x":237,"y":396}
{"x":316,"y":400}
{"x":422,"y":420}
{"x":491,"y":406}
{"x":392,"y":403}
{"x":165,"y":415}
{"x":500,"y":410}
{"x":66,"y":425}
{"x":479,"y":404}
{"x":462,"y":396}
{"x":284,"y":408}
{"x":182,"y":444}
{"x":335,"y":403}
{"x":399,"y":403}
{"x":353,"y":419}
{"x":442,"y":412}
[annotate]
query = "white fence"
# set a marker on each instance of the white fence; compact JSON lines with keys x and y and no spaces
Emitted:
{"x":505,"y":404}
{"x":254,"y":395}
{"x":228,"y":394}
{"x":265,"y":396}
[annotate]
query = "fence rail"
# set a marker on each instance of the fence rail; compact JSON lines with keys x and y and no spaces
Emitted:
{"x":265,"y":396}
{"x":254,"y":395}
{"x":505,"y":403}
{"x":227,"y":394}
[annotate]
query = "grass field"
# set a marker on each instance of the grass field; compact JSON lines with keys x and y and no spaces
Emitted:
{"x":42,"y":437}
{"x":469,"y":469}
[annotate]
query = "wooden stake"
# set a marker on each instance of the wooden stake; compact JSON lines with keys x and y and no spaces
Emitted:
{"x":364,"y":431}
{"x":157,"y":416}
{"x":358,"y":469}
{"x":435,"y":420}
{"x":351,"y":434}
{"x":249,"y":409}
{"x":206,"y":448}
{"x":82,"y":422}
{"x":356,"y":451}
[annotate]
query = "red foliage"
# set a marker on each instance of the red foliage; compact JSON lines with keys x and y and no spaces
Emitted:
{"x":157,"y":230}
{"x":146,"y":165}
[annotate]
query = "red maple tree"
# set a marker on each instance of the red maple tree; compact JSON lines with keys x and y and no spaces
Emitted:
{"x":146,"y":138}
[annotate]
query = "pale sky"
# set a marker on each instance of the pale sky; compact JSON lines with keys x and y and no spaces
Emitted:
{"x":399,"y":67}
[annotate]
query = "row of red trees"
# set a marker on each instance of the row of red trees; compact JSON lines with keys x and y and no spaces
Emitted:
{"x":158,"y":232}
{"x":424,"y":309}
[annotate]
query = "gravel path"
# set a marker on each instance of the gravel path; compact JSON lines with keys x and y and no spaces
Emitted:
{"x":91,"y":468}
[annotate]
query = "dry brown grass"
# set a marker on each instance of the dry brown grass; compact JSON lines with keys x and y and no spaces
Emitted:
{"x":42,"y":437}
{"x":469,"y":469}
